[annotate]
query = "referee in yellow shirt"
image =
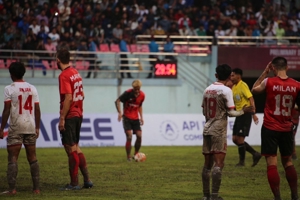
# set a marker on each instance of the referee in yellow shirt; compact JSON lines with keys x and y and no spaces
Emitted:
{"x":242,"y":96}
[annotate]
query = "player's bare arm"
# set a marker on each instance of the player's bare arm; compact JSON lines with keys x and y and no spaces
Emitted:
{"x":259,"y":86}
{"x":5,"y":116}
{"x":37,"y":117}
{"x":141,"y":115}
{"x":117,"y":104}
{"x":66,"y":107}
{"x":235,"y":113}
{"x":254,"y":116}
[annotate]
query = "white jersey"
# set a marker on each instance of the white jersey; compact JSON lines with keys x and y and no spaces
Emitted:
{"x":22,"y":96}
{"x":217,"y":100}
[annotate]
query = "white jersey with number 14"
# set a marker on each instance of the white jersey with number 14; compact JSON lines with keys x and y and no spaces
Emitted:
{"x":22,"y":96}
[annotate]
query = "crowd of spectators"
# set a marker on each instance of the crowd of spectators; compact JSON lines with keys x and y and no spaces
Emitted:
{"x":78,"y":24}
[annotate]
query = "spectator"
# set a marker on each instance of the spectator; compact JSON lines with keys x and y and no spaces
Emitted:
{"x":169,"y":48}
{"x":219,"y":32}
{"x":99,"y":33}
{"x":124,"y":58}
{"x":92,"y":47}
{"x":42,"y":16}
{"x":263,"y":23}
{"x":173,"y":30}
{"x":8,"y":35}
{"x":184,"y":31}
{"x":259,"y":14}
{"x":295,"y":23}
{"x":24,"y":25}
{"x":19,"y":35}
{"x":159,"y":31}
{"x":67,"y":27}
{"x":46,"y":28}
{"x":201,"y":31}
{"x":153,"y":48}
{"x":269,"y":31}
{"x":248,"y":31}
{"x":255,"y":31}
{"x":35,"y":27}
{"x":66,"y":37}
{"x":51,"y":49}
{"x":184,"y":21}
{"x":232,"y":31}
{"x":117,"y":34}
{"x":252,"y":21}
{"x":233,"y":21}
{"x":230,"y":10}
{"x":64,"y":11}
{"x":54,"y":37}
{"x":76,"y":9}
{"x":280,"y":32}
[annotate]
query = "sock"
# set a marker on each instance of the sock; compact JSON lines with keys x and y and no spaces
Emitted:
{"x":137,"y":145}
{"x":206,"y":181}
{"x":216,"y":181}
{"x":291,"y":177}
{"x":274,"y":180}
{"x":249,"y":148}
{"x":128,"y":148}
{"x":73,"y":167}
{"x":242,"y":152}
{"x":35,"y":174}
{"x":83,"y":167}
{"x":12,"y":172}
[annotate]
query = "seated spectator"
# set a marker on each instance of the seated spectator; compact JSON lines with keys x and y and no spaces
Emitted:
{"x":233,"y":21}
{"x":248,"y":30}
{"x":255,"y":31}
{"x":64,"y":12}
{"x":184,"y":31}
{"x":35,"y":27}
{"x":169,"y":48}
{"x":117,"y":34}
{"x":54,"y":37}
{"x":36,"y":62}
{"x":219,"y":32}
{"x":252,"y":21}
{"x":24,"y":25}
{"x":280,"y":32}
{"x":19,"y":35}
{"x":232,"y":31}
{"x":294,"y":22}
{"x":201,"y":31}
{"x":76,"y":8}
{"x":184,"y":21}
{"x":159,"y":31}
{"x":42,"y":34}
{"x":139,"y":30}
{"x":173,"y":30}
{"x":269,"y":31}
{"x":8,"y":35}
{"x":263,"y":23}
{"x":230,"y":10}
{"x":46,"y":28}
{"x":99,"y":33}
{"x":165,"y":23}
{"x":29,"y":43}
{"x":66,"y":37}
{"x":289,"y":32}
{"x":42,"y":16}
{"x":67,"y":27}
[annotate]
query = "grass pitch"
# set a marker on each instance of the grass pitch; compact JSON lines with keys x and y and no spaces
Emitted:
{"x":169,"y":173}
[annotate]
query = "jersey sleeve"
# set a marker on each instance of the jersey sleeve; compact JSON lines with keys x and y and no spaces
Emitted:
{"x":35,"y":95}
{"x":229,"y":98}
{"x":65,"y":85}
{"x":7,"y":96}
{"x":125,"y":96}
{"x":246,"y":91}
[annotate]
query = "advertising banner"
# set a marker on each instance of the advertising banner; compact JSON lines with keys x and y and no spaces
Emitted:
{"x":159,"y":130}
{"x":257,"y":58}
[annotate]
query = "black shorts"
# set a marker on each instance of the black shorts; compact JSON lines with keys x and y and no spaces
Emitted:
{"x":271,"y":140}
{"x":242,"y":125}
{"x":129,"y":124}
{"x":71,"y":134}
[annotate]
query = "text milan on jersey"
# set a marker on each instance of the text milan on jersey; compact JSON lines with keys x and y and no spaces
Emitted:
{"x":284,"y":89}
{"x":24,"y":89}
{"x":75,"y":76}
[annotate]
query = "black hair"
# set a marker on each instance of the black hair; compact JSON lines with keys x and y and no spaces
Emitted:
{"x":223,"y":71}
{"x":279,"y":63}
{"x":63,"y":55}
{"x":238,"y":71}
{"x":17,"y":70}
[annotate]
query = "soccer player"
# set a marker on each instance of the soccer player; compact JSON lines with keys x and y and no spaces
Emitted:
{"x":217,"y":105}
{"x":295,"y":120}
{"x":242,"y":96}
{"x":21,"y":106}
{"x":276,"y":132}
{"x":70,"y":119}
{"x":132,"y":100}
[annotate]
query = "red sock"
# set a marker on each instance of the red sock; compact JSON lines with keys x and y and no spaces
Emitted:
{"x":83,"y":167}
{"x":73,"y":167}
{"x":291,"y":177}
{"x":274,"y":180}
{"x":128,"y":148}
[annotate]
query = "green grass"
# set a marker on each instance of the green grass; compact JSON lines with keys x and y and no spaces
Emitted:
{"x":170,"y":173}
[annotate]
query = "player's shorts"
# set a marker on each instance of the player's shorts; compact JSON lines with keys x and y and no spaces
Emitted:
{"x":213,"y":144}
{"x":242,"y":125}
{"x":71,"y":134}
{"x":271,"y":140}
{"x":130,"y":124}
{"x":17,"y":139}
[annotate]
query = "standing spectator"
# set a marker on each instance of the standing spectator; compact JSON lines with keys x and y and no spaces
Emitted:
{"x":184,"y":21}
{"x":153,"y":48}
{"x":295,"y":23}
{"x":50,"y":51}
{"x":124,"y":58}
{"x":132,"y":116}
{"x":169,"y":48}
{"x":70,"y":119}
{"x":24,"y":125}
{"x":92,"y":47}
{"x":54,"y":37}
{"x":280,"y":32}
{"x":269,"y":31}
{"x":276,"y":131}
{"x":64,"y":12}
{"x":214,"y":146}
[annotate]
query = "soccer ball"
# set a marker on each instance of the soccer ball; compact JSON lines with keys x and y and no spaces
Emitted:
{"x":140,"y":157}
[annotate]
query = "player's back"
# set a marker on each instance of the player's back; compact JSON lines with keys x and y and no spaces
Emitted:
{"x":217,"y":99}
{"x":280,"y":100}
{"x":22,"y":96}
